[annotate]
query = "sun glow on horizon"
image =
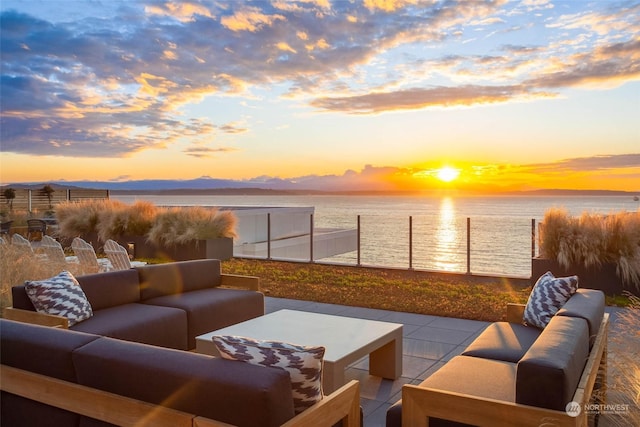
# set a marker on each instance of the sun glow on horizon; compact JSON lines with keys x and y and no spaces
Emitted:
{"x":447,"y":173}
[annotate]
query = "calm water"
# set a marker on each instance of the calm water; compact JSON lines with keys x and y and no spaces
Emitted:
{"x":500,"y":226}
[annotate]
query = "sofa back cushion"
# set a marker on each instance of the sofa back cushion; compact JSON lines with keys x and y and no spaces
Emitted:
{"x":549,"y":372}
{"x":42,"y":350}
{"x":194,"y":383}
{"x":172,"y":278}
{"x":587,"y":304}
{"x":20,"y":299}
{"x":104,"y":290}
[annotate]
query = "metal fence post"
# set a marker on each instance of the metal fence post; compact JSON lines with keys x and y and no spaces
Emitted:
{"x":410,"y":242}
{"x":311,"y":238}
{"x":269,"y":235}
{"x":468,"y":245}
{"x":533,"y":237}
{"x":358,"y":263}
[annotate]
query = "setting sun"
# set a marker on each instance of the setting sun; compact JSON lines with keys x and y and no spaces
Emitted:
{"x":448,"y":174}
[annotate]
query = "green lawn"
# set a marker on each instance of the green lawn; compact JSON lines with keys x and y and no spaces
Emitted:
{"x":452,"y":295}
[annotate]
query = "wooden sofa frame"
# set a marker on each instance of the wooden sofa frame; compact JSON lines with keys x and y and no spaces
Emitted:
{"x":229,"y":281}
{"x":343,"y":404}
{"x":420,"y":403}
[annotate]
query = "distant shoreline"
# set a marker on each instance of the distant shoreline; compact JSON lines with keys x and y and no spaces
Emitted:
{"x":269,"y":192}
{"x":258,"y":191}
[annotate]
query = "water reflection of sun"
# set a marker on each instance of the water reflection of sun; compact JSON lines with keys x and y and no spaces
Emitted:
{"x":447,"y":237}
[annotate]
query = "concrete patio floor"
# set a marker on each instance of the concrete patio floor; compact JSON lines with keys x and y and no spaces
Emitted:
{"x":429,"y":342}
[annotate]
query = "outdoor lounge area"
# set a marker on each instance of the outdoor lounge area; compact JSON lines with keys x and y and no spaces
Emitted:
{"x":391,"y":351}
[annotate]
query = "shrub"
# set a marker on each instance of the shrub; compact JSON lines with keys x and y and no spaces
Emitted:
{"x":111,"y":219}
{"x":624,"y":365}
{"x":121,"y":219}
{"x":175,"y":226}
{"x":18,"y":265}
{"x":593,"y":239}
{"x":81,"y":217}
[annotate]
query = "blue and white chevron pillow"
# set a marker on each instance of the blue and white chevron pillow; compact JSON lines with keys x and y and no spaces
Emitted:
{"x":548,"y":296}
{"x":303,"y":363}
{"x":60,"y":295}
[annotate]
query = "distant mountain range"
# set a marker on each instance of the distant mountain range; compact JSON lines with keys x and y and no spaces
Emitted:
{"x":208,"y":185}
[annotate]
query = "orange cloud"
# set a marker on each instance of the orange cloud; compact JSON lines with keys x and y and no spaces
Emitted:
{"x":249,"y":19}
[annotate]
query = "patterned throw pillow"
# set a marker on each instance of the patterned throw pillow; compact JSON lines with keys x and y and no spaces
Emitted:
{"x":60,"y":295}
{"x":548,"y":296}
{"x":304,"y":364}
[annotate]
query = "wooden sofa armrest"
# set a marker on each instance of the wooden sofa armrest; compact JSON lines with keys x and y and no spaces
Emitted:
{"x":35,"y":317}
{"x":342,"y":404}
{"x":250,"y":283}
{"x":515,"y":312}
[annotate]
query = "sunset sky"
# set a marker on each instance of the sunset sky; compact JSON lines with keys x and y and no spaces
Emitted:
{"x":371,"y":94}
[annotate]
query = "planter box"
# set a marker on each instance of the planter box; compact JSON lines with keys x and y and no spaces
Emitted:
{"x":220,"y":248}
{"x":603,"y":278}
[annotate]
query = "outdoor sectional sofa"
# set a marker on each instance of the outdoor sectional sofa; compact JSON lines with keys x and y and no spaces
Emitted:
{"x":517,"y":375}
{"x":126,"y":364}
{"x":63,"y":378}
{"x":167,"y":305}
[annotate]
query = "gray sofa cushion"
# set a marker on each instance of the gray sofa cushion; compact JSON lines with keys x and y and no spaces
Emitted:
{"x":493,"y":379}
{"x":105,"y":290}
{"x":503,"y":341}
{"x":48,"y":349}
{"x":587,"y":304}
{"x":228,"y":391}
{"x":163,"y":326}
{"x":20,"y":299}
{"x":49,"y":353}
{"x":211,"y":309}
{"x":548,"y":374}
{"x":176,"y":277}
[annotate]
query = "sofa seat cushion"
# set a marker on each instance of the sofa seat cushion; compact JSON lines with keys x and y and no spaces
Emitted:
{"x":214,"y":308}
{"x":178,"y":277}
{"x":492,"y":379}
{"x":587,"y":304}
{"x":548,"y":374}
{"x":503,"y":341}
{"x":163,"y":326}
{"x":231,"y":392}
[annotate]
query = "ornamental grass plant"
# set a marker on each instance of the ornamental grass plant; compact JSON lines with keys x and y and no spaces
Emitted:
{"x":110,"y":219}
{"x":624,"y":368}
{"x":81,"y":217}
{"x":592,"y":240}
{"x":18,"y":265}
{"x":174,"y":226}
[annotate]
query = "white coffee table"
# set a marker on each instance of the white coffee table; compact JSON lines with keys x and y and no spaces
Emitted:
{"x":346,"y":340}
